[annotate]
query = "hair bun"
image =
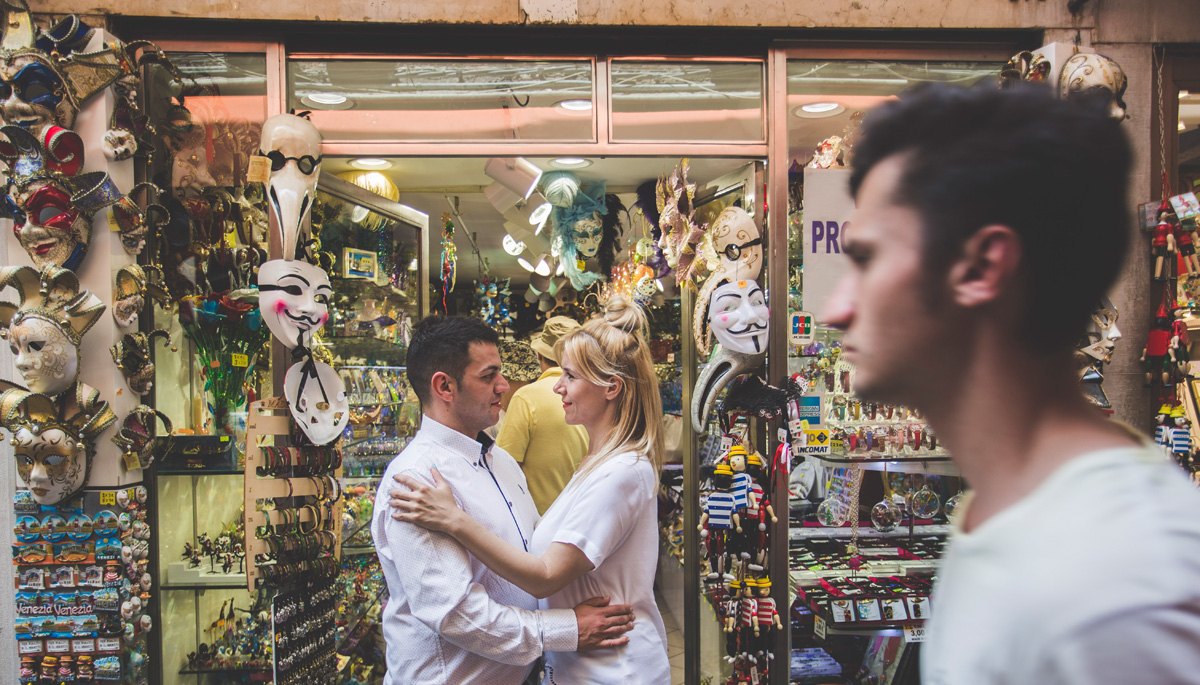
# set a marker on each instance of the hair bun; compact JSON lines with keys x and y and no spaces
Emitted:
{"x":620,"y":312}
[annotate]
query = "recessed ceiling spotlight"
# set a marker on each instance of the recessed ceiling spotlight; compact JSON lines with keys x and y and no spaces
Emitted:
{"x":371,"y":163}
{"x":571,"y":162}
{"x":326,"y":101}
{"x":575,"y":105}
{"x":819,"y":110}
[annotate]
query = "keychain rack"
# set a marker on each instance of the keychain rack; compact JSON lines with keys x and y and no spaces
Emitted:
{"x":270,"y":421}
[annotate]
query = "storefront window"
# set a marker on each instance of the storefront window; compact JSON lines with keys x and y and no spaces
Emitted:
{"x":694,"y":101}
{"x":866,"y":466}
{"x":529,"y":100}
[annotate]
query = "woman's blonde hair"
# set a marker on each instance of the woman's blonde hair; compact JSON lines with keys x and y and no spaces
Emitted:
{"x":614,"y":346}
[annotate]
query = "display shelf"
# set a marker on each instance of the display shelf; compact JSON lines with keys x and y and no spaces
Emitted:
{"x":360,"y":288}
{"x":940,"y":466}
{"x":866,"y":531}
{"x":271,"y":418}
{"x":201,"y":472}
{"x":367,"y":346}
{"x":225,"y":671}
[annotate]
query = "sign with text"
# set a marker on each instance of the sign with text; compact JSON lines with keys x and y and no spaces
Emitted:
{"x":828,"y":208}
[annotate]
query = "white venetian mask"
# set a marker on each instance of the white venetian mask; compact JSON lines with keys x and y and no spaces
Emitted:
{"x":317,"y":399}
{"x":293,"y":299}
{"x":45,"y":357}
{"x":738,"y":317}
{"x":293,"y":146}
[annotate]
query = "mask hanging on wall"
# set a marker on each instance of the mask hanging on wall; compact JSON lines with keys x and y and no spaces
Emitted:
{"x":293,"y":147}
{"x":54,"y":441}
{"x":1084,"y":73}
{"x":733,"y":249}
{"x":131,"y":354}
{"x":52,"y":210}
{"x":737,"y":314}
{"x":46,"y":325}
{"x":294,"y":300}
{"x":586,"y":228}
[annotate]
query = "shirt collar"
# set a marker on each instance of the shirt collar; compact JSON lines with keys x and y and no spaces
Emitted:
{"x":552,"y":372}
{"x":473,"y":451}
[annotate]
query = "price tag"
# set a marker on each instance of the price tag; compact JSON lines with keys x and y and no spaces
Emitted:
{"x":239,"y":360}
{"x":29,"y":646}
{"x":109,"y":644}
{"x":783,"y":435}
{"x":56,"y":646}
{"x":754,"y":675}
{"x":915,"y":632}
{"x":224,"y":438}
{"x":83,"y":646}
{"x":132,"y":461}
{"x":108,"y":499}
{"x":796,"y":426}
{"x":258,"y":170}
{"x":726,"y":443}
{"x":819,"y":628}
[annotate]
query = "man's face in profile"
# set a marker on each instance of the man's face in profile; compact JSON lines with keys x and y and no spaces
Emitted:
{"x":477,"y":403}
{"x":893,"y":333}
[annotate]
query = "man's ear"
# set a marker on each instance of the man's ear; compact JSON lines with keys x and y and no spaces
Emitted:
{"x":442,"y":386}
{"x":986,"y":267}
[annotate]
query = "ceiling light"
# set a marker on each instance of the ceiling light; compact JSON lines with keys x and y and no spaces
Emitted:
{"x":517,"y":231}
{"x":818,"y":107}
{"x":1184,"y":93}
{"x":501,"y":198}
{"x":1182,"y":126}
{"x":515,"y":173}
{"x":371,"y":163}
{"x":575,"y":105}
{"x":511,"y":245}
{"x":819,"y":110}
{"x":412,"y":266}
{"x":326,"y":101}
{"x":571,"y":162}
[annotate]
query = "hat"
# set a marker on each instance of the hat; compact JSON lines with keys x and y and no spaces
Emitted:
{"x":722,"y":470}
{"x":556,"y":327}
{"x":517,"y":361}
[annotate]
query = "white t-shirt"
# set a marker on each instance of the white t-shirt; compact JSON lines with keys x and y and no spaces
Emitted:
{"x":1091,"y":579}
{"x":611,"y":516}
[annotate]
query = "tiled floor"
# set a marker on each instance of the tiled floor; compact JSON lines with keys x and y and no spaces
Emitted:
{"x":674,"y":645}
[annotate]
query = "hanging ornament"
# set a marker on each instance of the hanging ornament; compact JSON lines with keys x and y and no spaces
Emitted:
{"x":449,"y":258}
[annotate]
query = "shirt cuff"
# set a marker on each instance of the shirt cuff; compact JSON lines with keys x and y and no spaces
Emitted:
{"x":560,"y":630}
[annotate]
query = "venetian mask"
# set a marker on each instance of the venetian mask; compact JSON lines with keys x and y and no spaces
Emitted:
{"x":131,"y":354}
{"x":1086,"y":73}
{"x":34,"y":96}
{"x":52,"y":210}
{"x":46,"y":358}
{"x":46,"y":325}
{"x":738,"y":317}
{"x":588,"y":232}
{"x":52,"y":441}
{"x":293,"y":299}
{"x":736,"y":246}
{"x":293,"y":146}
{"x":317,"y":399}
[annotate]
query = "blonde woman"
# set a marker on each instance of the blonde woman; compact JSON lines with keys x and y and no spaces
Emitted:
{"x":599,"y":538}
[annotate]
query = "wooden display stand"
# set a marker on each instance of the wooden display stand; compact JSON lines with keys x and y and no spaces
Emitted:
{"x":270,"y":423}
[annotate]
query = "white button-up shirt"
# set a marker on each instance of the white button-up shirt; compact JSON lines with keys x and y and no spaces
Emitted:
{"x":449,"y":618}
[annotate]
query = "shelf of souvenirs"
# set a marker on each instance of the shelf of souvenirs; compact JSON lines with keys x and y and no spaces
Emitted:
{"x":932,"y":465}
{"x":361,"y":288}
{"x":853,"y":606}
{"x":366,"y":348}
{"x":376,"y":598}
{"x":818,"y":558}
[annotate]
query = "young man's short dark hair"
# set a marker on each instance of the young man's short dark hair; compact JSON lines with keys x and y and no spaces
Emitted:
{"x":1053,"y":171}
{"x":443,"y":343}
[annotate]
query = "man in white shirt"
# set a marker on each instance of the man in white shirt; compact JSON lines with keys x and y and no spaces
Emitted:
{"x":989,"y":224}
{"x":449,"y":619}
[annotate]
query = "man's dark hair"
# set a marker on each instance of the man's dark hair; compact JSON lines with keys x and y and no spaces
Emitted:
{"x":1053,"y":171}
{"x":443,"y":343}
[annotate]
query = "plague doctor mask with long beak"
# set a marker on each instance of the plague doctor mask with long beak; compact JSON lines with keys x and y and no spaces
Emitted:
{"x":293,"y":146}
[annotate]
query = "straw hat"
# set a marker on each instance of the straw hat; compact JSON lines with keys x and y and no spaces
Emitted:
{"x":556,"y":327}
